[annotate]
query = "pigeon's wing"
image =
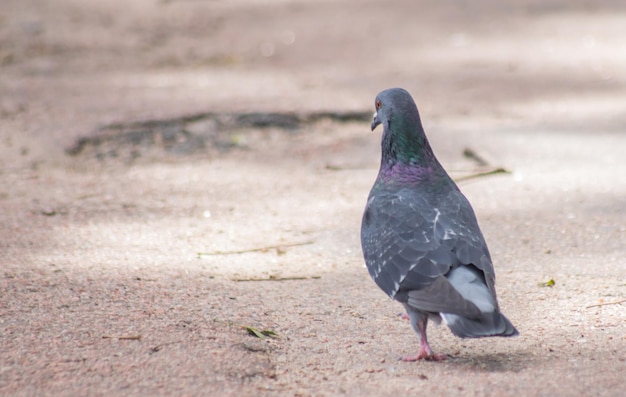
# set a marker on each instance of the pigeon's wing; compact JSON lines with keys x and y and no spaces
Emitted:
{"x":410,"y":244}
{"x":457,"y":228}
{"x":474,"y":278}
{"x":398,"y":240}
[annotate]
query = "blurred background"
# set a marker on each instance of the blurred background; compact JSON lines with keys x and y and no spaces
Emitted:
{"x":557,"y":64}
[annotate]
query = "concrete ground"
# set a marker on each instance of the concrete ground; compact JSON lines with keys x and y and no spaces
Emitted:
{"x":176,"y":175}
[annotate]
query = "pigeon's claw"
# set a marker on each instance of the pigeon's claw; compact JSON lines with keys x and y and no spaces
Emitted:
{"x":425,"y":353}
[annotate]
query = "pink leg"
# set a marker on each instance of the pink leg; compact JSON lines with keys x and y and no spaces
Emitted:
{"x":425,"y":353}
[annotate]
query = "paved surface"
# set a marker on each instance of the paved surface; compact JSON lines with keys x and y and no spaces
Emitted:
{"x":102,"y":288}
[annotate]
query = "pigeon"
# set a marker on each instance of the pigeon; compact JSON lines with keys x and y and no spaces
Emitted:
{"x":420,"y":238}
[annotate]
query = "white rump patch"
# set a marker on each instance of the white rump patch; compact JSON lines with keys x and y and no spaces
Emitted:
{"x":472,"y":288}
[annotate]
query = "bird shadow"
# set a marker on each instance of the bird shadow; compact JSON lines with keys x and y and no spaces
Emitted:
{"x":492,"y":362}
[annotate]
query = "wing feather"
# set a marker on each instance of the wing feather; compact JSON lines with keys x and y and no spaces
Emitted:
{"x":409,"y":242}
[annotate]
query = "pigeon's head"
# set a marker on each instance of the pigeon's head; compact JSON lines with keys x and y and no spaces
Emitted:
{"x":394,"y":102}
{"x":403,"y":137}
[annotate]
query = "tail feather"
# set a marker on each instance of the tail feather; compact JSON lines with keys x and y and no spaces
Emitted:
{"x":491,"y":324}
{"x":470,"y":283}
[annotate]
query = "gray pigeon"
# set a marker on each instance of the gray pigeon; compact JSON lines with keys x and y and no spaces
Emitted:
{"x":420,"y":238}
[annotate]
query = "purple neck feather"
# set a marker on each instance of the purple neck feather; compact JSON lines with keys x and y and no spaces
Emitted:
{"x":404,"y":173}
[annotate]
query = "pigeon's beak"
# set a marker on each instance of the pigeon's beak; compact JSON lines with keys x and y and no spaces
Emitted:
{"x":375,"y":121}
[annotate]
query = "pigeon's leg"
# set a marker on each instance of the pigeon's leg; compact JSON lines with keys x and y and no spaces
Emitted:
{"x":419,"y":322}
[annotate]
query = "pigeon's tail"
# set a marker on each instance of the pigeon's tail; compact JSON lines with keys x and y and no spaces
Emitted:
{"x":491,"y":324}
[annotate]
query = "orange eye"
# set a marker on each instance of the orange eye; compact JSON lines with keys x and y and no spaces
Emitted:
{"x":378,"y":104}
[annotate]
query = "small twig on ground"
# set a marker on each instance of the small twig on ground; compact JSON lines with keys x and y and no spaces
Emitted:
{"x":606,"y":304}
{"x":471,"y":154}
{"x":499,"y":170}
{"x":126,"y":337}
{"x":335,"y":167}
{"x":158,"y":348}
{"x":278,"y":248}
{"x":275,"y":278}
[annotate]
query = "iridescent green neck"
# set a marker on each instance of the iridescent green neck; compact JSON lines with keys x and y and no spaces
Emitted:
{"x":405,"y":145}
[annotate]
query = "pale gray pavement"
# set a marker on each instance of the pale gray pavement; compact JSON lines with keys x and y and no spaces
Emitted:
{"x":94,"y":250}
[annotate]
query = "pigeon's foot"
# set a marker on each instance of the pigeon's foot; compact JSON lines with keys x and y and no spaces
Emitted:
{"x":425,"y":353}
{"x":418,"y":322}
{"x":404,"y":316}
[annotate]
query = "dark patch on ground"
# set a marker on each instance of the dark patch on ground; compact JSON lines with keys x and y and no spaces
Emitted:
{"x":188,"y":135}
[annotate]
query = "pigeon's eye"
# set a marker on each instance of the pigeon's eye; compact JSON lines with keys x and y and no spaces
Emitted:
{"x":378,"y":105}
